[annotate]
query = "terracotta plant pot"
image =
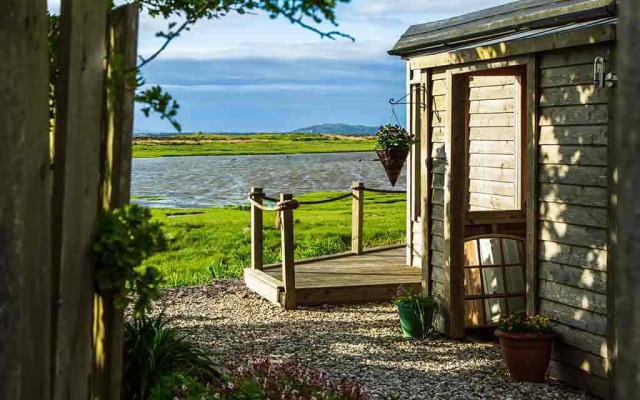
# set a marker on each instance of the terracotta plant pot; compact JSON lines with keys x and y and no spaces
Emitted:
{"x":393,"y":161}
{"x":526,"y":354}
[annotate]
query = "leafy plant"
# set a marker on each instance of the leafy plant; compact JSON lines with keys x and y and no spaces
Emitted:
{"x":263,"y":379}
{"x":393,"y":137}
{"x":422,"y":305}
{"x":179,"y":386}
{"x":521,"y":323}
{"x":124,"y":238}
{"x":156,"y":353}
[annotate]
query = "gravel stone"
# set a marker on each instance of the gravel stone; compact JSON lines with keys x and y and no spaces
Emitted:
{"x":360,"y":341}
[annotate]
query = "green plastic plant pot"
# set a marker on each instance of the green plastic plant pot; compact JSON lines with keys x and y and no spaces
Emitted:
{"x":410,"y":321}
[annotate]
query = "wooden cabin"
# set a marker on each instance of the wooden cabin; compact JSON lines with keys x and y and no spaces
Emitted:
{"x":510,"y":190}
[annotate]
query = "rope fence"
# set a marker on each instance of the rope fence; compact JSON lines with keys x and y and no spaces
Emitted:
{"x":295,"y":204}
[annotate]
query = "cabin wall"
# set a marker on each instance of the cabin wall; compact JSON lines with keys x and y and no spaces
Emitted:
{"x":572,"y":193}
{"x":573,"y":212}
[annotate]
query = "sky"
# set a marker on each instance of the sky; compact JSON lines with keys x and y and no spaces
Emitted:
{"x":248,"y":73}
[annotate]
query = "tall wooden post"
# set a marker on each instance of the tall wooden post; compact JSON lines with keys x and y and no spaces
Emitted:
{"x":357,"y":214}
{"x":625,"y":238}
{"x":116,"y":151}
{"x":257,"y":229}
{"x":287,"y":245}
{"x":76,"y":175}
{"x":25,"y":241}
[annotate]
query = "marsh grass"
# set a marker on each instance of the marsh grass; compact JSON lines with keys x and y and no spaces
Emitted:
{"x":217,"y":145}
{"x":214,"y":243}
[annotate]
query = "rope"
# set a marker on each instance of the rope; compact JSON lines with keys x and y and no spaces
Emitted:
{"x":366,"y":189}
{"x":329,"y":200}
{"x":280,"y":205}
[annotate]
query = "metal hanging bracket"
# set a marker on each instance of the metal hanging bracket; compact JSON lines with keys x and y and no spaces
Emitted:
{"x":423,"y":105}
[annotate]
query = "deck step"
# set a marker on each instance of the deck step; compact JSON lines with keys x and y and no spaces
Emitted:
{"x":351,"y":294}
{"x":266,"y":286}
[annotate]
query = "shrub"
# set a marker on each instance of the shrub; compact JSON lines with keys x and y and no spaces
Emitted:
{"x":124,"y":238}
{"x":153,"y":351}
{"x":423,"y":306}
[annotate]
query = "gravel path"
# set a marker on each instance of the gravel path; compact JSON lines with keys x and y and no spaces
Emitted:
{"x":361,"y":341}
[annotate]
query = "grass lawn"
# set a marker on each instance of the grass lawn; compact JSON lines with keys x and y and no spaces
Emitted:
{"x":217,"y":145}
{"x":214,"y":243}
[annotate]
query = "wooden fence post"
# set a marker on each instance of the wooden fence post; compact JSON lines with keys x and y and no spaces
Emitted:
{"x":116,"y":152}
{"x":287,"y":244}
{"x":25,"y":241}
{"x":257,"y":241}
{"x":75,"y":196}
{"x":357,"y":213}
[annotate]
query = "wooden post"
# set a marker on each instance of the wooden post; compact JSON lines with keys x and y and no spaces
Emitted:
{"x":624,"y":273}
{"x":357,"y":216}
{"x":288,"y":267}
{"x":257,"y":229}
{"x":75,"y":197}
{"x":25,"y":241}
{"x":108,"y":321}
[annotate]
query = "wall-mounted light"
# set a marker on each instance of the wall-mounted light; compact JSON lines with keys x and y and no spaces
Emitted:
{"x":600,"y":79}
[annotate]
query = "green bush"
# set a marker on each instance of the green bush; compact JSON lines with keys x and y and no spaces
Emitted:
{"x":153,"y":351}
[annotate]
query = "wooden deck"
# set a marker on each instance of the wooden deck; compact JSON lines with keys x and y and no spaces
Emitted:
{"x":347,"y":278}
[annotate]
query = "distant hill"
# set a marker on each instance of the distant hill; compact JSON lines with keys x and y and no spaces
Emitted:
{"x":339,"y":128}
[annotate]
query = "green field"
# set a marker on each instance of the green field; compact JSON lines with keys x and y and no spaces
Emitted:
{"x":217,"y":145}
{"x":214,"y":243}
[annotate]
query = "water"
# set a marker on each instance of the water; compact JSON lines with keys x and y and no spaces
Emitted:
{"x":210,"y":181}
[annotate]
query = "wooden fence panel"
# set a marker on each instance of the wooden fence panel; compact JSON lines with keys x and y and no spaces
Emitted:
{"x":80,"y":94}
{"x":25,"y":259}
{"x":115,"y":188}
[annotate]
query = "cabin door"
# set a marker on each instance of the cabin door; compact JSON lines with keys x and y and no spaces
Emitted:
{"x":494,"y":215}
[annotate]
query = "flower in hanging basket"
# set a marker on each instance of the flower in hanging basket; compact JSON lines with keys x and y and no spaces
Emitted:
{"x":392,"y":143}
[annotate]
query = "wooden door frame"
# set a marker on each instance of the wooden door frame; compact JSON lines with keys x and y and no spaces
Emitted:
{"x":455,"y":184}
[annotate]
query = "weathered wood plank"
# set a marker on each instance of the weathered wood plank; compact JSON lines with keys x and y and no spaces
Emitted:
{"x":437,"y":260}
{"x":485,"y":106}
{"x":357,"y":217}
{"x":491,"y":201}
{"x":437,"y":135}
{"x":438,"y":181}
{"x":439,"y":165}
{"x":573,"y":194}
{"x":492,"y":92}
{"x":489,"y":80}
{"x":580,"y":134}
{"x":573,"y":175}
{"x":492,"y":174}
{"x":578,"y":378}
{"x":594,"y":366}
{"x":76,"y":171}
{"x":574,"y":297}
{"x":257,"y":230}
{"x":492,"y":160}
{"x":590,"y":342}
{"x":575,"y":55}
{"x":591,"y":114}
{"x":573,"y":155}
{"x":575,"y":317}
{"x":572,"y":95}
{"x":492,"y":133}
{"x":581,"y":74}
{"x":578,"y":256}
{"x":493,"y":120}
{"x":573,"y":214}
{"x":491,"y":147}
{"x":25,"y":231}
{"x":574,"y":276}
{"x":492,"y":188}
{"x":573,"y":234}
{"x":437,"y":243}
{"x":264,"y":285}
{"x":439,"y":87}
{"x":437,"y":212}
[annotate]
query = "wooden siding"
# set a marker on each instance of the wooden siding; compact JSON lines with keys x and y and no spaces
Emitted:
{"x":491,"y":143}
{"x":573,"y":219}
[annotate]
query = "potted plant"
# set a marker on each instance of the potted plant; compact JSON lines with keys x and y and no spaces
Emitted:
{"x":416,"y":312}
{"x":526,"y":344}
{"x":392,"y":143}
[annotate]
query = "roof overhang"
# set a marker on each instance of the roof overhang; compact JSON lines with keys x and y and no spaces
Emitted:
{"x":498,"y":23}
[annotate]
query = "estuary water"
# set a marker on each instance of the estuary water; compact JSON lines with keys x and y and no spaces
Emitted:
{"x":212,"y":181}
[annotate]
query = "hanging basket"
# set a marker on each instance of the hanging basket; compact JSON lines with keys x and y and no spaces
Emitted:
{"x":392,"y":161}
